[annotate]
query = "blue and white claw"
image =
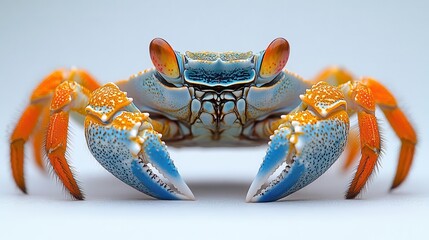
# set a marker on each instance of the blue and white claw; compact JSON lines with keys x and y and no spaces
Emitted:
{"x":123,"y":140}
{"x":301,"y":150}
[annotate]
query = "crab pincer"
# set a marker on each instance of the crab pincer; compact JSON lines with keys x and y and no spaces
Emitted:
{"x":124,"y":141}
{"x":304,"y":146}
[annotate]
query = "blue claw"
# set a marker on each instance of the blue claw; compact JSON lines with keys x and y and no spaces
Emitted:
{"x":152,"y":171}
{"x":156,"y":154}
{"x":304,"y":151}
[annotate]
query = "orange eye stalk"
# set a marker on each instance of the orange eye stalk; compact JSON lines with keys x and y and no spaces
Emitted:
{"x":164,"y":58}
{"x":275,"y":58}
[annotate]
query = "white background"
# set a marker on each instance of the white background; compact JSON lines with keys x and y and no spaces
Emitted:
{"x":384,"y":39}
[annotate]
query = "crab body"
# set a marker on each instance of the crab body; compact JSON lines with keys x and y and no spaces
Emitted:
{"x":216,"y":115}
{"x":211,"y":99}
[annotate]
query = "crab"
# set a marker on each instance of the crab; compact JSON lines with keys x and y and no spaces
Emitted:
{"x":212,"y":99}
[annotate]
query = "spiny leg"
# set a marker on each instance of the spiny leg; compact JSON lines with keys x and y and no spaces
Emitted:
{"x":32,"y":122}
{"x":361,"y":100}
{"x":397,"y":119}
{"x":19,"y":137}
{"x":400,"y":124}
{"x":68,"y":96}
{"x":28,"y":121}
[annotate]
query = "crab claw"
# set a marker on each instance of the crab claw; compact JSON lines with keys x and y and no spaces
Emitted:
{"x":301,"y":150}
{"x":168,"y":184}
{"x":125,"y":143}
{"x":137,"y":157}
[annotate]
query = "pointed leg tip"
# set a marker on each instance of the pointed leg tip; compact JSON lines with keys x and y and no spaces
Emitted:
{"x":396,"y":183}
{"x":78,"y":196}
{"x":394,"y":186}
{"x":23,"y":189}
{"x":351,"y":195}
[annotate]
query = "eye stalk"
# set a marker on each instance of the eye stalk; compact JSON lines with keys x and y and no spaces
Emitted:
{"x":165,"y":60}
{"x":274,"y":59}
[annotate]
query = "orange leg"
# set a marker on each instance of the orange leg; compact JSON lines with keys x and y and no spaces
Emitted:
{"x":400,"y":124}
{"x":370,"y":150}
{"x":68,"y":96}
{"x":334,"y":76}
{"x":19,"y":137}
{"x":56,"y":146}
{"x":362,"y":101}
{"x":352,"y":149}
{"x":34,"y":121}
{"x":39,"y":138}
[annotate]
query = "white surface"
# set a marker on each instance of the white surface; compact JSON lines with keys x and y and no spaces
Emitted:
{"x":384,"y":39}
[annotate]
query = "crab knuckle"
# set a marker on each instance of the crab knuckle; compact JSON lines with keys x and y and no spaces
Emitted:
{"x":106,"y":101}
{"x":324,"y":98}
{"x":363,"y":97}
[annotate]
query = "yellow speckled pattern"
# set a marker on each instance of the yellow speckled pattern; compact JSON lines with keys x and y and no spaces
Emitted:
{"x":62,"y":96}
{"x":324,"y":98}
{"x":130,"y":120}
{"x":106,"y":100}
{"x":363,"y":96}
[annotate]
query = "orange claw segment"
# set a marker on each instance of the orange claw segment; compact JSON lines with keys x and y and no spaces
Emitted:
{"x":370,"y":149}
{"x":20,"y":135}
{"x":56,"y":145}
{"x":106,"y":101}
{"x":275,"y":58}
{"x":164,"y":58}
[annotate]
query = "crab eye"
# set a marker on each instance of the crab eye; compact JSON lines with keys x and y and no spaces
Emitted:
{"x":275,"y":58}
{"x":164,"y":58}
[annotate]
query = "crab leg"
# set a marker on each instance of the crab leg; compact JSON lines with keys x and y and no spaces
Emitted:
{"x":126,"y":143}
{"x":34,"y":121}
{"x":352,"y":149}
{"x":19,"y":137}
{"x":39,"y":138}
{"x":68,"y":96}
{"x":27,"y":124}
{"x":304,"y":146}
{"x":400,"y":124}
{"x":397,"y":119}
{"x":361,"y":100}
